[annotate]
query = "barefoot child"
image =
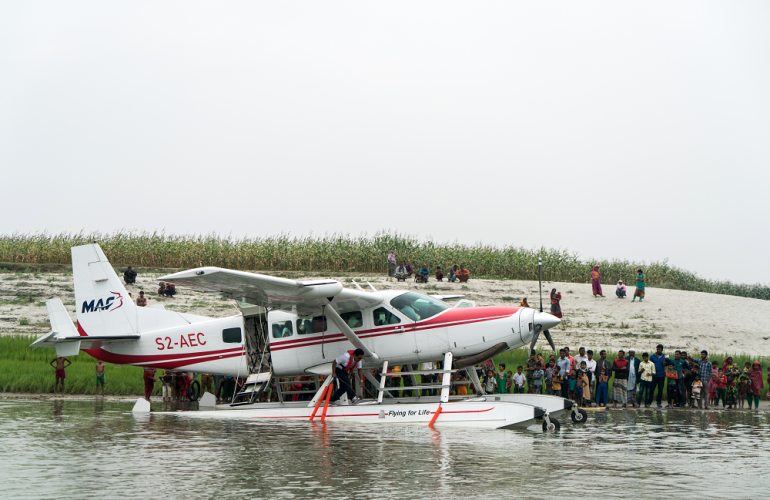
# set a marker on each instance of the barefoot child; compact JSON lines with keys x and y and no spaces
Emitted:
{"x":556,"y":381}
{"x":518,"y":379}
{"x":743,"y":388}
{"x":99,"y":376}
{"x":508,"y":381}
{"x":537,"y":379}
{"x":582,"y":387}
{"x":60,"y":366}
{"x":721,"y":383}
{"x":697,"y":385}
{"x":671,"y":378}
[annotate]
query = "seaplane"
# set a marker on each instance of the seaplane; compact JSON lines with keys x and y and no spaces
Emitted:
{"x":288,"y":328}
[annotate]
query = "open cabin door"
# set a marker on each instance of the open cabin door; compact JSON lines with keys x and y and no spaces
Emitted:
{"x":257,"y":345}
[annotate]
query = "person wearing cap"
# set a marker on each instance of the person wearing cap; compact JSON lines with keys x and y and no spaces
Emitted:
{"x":633,"y":376}
{"x":620,"y":290}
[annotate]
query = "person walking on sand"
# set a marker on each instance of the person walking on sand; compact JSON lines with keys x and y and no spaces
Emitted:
{"x":596,"y":285}
{"x":99,"y":376}
{"x":61,"y":364}
{"x":555,"y":303}
{"x":639,"y":292}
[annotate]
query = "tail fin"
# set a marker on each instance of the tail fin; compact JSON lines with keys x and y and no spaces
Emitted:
{"x":103,"y":305}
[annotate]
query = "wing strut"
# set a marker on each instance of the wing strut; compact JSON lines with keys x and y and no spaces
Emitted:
{"x":347,"y":331}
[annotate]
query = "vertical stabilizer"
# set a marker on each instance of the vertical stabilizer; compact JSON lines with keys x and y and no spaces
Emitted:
{"x":102,"y":302}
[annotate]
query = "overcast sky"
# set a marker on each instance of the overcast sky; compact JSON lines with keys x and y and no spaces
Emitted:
{"x":612,"y":129}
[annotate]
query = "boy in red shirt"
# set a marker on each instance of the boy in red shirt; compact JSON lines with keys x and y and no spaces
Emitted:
{"x":721,"y":387}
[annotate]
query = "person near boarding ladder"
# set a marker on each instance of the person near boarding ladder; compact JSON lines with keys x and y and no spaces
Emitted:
{"x":342,"y":367}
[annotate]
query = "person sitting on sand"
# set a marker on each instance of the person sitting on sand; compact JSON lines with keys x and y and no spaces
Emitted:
{"x":161,"y":288}
{"x":439,"y":274}
{"x":639,"y":292}
{"x":555,"y":303}
{"x":99,"y":376}
{"x":409,"y":268}
{"x":61,"y":364}
{"x":401,"y":273}
{"x":620,"y":290}
{"x":422,"y":276}
{"x":596,"y":285}
{"x":463,"y":274}
{"x":452,"y":276}
{"x":129,"y":276}
{"x":524,"y":303}
{"x":141,"y":301}
{"x":170,"y":290}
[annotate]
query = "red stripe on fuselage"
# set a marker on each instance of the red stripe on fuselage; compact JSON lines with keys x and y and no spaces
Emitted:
{"x":452,"y":317}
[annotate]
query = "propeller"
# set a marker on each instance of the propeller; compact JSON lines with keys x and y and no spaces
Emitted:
{"x":538,"y":327}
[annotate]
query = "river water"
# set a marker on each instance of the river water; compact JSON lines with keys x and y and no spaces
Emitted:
{"x":80,"y":449}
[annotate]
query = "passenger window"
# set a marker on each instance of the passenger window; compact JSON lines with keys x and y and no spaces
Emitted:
{"x":316,"y":324}
{"x":231,"y":335}
{"x":354,"y":319}
{"x":282,"y":329}
{"x":384,"y":317}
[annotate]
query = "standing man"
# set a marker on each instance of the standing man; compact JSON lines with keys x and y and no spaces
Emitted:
{"x":149,"y":382}
{"x":680,"y":364}
{"x":659,"y":379}
{"x":704,"y":370}
{"x":646,"y":371}
{"x":129,"y":276}
{"x":60,"y":375}
{"x":591,"y":365}
{"x":603,"y":363}
{"x":565,"y":371}
{"x":342,"y":367}
{"x":633,"y":376}
{"x":581,"y":356}
{"x":529,"y":369}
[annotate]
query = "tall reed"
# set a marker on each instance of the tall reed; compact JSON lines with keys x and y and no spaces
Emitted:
{"x":345,"y":253}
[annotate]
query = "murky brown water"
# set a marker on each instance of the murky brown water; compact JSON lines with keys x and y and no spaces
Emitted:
{"x":77,"y":449}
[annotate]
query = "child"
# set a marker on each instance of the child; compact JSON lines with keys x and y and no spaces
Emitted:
{"x":689,"y":376}
{"x":582,"y":387}
{"x":601,"y":389}
{"x":439,"y":274}
{"x":713,"y":384}
{"x":462,"y":389}
{"x":572,"y":384}
{"x":508,"y":382}
{"x":501,"y":379}
{"x":491,"y":382}
{"x":556,"y":381}
{"x":519,"y":380}
{"x":537,"y":379}
{"x":697,"y":385}
{"x":671,"y":378}
{"x":99,"y":376}
{"x":743,"y":388}
{"x":60,"y":375}
{"x":721,"y":383}
{"x":548,"y":376}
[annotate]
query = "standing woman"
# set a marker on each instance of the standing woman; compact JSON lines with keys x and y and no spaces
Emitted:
{"x":620,"y":384}
{"x":733,"y":373}
{"x":639,"y":292}
{"x":555,"y":305}
{"x":595,"y":284}
{"x":757,"y":384}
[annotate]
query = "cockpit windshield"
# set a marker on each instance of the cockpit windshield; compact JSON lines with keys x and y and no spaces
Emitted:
{"x":417,"y":306}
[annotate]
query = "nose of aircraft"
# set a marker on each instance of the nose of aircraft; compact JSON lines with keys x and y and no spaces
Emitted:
{"x":545,"y":320}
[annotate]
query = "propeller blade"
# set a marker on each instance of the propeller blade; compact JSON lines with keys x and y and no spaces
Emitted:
{"x":550,"y":340}
{"x":535,"y":335}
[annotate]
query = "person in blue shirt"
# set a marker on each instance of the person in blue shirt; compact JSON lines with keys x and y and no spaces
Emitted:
{"x":659,"y":378}
{"x":424,"y":273}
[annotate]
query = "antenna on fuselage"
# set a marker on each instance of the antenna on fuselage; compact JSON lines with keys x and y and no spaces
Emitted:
{"x":370,"y":286}
{"x":354,"y":282}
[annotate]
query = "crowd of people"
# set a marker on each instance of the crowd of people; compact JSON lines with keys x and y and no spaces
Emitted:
{"x":681,"y":381}
{"x":404,"y":270}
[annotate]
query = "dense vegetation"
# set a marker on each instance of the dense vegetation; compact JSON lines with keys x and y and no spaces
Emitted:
{"x":343,"y":253}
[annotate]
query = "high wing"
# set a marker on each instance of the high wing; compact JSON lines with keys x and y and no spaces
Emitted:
{"x":307,"y":297}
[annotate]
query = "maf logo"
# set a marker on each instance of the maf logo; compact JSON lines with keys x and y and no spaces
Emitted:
{"x":103,"y":304}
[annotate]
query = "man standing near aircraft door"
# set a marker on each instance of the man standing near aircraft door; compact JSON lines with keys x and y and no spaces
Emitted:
{"x":342,"y":367}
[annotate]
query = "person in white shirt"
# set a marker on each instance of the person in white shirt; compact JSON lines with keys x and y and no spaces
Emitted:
{"x":342,"y":367}
{"x":581,"y":357}
{"x":591,"y":366}
{"x":518,"y":381}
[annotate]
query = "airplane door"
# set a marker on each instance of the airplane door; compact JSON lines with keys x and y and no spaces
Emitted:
{"x":431,"y":343}
{"x":526,"y":324}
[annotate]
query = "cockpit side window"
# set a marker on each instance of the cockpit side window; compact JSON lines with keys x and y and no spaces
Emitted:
{"x":384,"y":317}
{"x":417,"y":306}
{"x":282,"y":329}
{"x":354,"y":319}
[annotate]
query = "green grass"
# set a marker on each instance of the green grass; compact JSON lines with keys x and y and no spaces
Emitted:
{"x":26,"y":369}
{"x":344,"y":253}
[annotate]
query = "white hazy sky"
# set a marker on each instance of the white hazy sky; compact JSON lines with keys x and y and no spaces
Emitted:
{"x":612,"y":129}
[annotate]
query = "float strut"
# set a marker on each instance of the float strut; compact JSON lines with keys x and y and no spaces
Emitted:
{"x":318,"y":403}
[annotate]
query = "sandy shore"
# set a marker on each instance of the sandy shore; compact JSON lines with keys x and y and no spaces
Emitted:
{"x":677,"y":319}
